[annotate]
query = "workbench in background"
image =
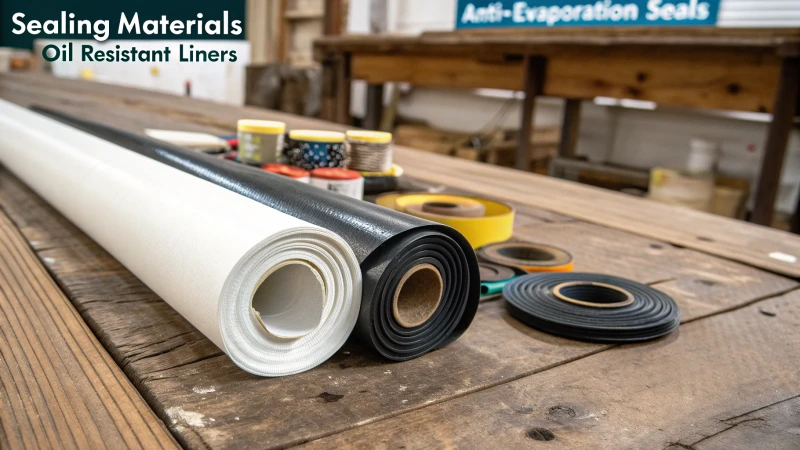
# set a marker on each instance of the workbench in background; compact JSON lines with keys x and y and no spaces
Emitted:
{"x":727,"y":378}
{"x":754,"y":70}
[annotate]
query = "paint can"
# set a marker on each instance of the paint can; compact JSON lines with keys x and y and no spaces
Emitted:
{"x":260,"y":141}
{"x":344,"y":181}
{"x":288,"y":171}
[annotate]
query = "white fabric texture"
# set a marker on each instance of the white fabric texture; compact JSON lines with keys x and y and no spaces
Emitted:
{"x":203,"y":249}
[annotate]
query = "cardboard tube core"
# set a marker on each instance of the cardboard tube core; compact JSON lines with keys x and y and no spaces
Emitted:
{"x":593,"y":294}
{"x":417,"y":295}
{"x":289,"y":300}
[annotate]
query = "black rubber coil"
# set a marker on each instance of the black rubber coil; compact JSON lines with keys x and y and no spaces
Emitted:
{"x":591,"y":307}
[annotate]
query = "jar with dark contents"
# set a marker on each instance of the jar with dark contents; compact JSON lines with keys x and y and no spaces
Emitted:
{"x":313,"y":149}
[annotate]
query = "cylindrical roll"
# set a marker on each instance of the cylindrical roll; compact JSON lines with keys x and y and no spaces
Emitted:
{"x":381,"y":182}
{"x":369,"y":151}
{"x":312,"y":149}
{"x":293,"y":172}
{"x":259,"y":141}
{"x":279,"y":296}
{"x":388,"y":244}
{"x":591,"y":307}
{"x":528,"y":257}
{"x":493,"y":278}
{"x":344,"y":181}
{"x":480,"y":220}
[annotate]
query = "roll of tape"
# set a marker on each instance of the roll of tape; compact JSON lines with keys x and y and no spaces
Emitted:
{"x":379,"y":185}
{"x":493,"y":278}
{"x":496,"y":224}
{"x":591,"y":307}
{"x":388,"y":244}
{"x":380,"y":182}
{"x":528,"y":257}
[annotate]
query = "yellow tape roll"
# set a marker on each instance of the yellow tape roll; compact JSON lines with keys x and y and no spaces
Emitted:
{"x":496,"y":224}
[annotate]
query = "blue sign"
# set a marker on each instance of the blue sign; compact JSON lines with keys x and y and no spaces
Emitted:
{"x":585,"y":13}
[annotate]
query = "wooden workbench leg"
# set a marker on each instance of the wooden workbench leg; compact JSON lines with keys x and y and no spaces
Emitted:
{"x":372,"y":119}
{"x":329,"y":75}
{"x":777,"y":138}
{"x":343,"y":83}
{"x":570,"y":128}
{"x":534,"y":80}
{"x":794,"y":223}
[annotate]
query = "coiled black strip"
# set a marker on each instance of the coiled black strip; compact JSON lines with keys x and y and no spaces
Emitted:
{"x":387,"y":243}
{"x":649,"y":314}
{"x":379,"y":185}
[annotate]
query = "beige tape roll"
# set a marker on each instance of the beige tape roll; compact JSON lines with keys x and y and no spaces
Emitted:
{"x":528,"y":257}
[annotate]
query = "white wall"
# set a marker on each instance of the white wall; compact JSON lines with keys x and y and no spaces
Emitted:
{"x":217,"y":81}
{"x":661,"y":138}
{"x":416,"y":16}
{"x":759,"y":13}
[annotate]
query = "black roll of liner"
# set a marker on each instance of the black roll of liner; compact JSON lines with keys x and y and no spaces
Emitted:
{"x":649,"y":314}
{"x":387,"y":243}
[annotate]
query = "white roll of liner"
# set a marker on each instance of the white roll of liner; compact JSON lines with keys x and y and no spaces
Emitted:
{"x":277,"y":294}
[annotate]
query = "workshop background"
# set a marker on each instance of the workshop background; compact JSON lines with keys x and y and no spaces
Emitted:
{"x":620,"y":141}
{"x":401,"y":224}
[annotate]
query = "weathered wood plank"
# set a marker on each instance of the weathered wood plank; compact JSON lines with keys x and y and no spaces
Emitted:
{"x":721,"y":236}
{"x":58,"y":387}
{"x":700,"y":283}
{"x":695,"y":387}
{"x":774,"y":427}
{"x":189,"y":382}
{"x":687,"y":37}
{"x":718,"y":79}
{"x":134,"y":109}
{"x":438,"y":71}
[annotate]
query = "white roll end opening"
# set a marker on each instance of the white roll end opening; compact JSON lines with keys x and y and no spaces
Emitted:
{"x":289,"y":300}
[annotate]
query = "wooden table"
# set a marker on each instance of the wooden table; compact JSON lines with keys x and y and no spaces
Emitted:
{"x":90,"y":356}
{"x":733,"y":69}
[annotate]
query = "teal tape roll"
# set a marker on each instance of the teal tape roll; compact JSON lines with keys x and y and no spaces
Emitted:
{"x":491,"y":288}
{"x":493,"y":278}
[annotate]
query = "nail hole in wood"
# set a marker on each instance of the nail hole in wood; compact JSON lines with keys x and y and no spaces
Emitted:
{"x":540,"y":434}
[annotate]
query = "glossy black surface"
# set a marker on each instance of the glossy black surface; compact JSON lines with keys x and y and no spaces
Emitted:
{"x":387,"y":243}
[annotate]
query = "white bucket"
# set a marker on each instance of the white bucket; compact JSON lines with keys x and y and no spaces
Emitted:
{"x":703,"y":156}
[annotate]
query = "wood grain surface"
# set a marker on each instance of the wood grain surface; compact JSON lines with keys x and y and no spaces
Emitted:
{"x":189,"y":381}
{"x":135,"y":109}
{"x":718,"y":79}
{"x":58,"y":386}
{"x":358,"y":399}
{"x":588,"y":36}
{"x":689,"y":391}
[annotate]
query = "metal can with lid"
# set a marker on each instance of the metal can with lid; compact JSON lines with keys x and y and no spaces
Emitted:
{"x":260,"y":141}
